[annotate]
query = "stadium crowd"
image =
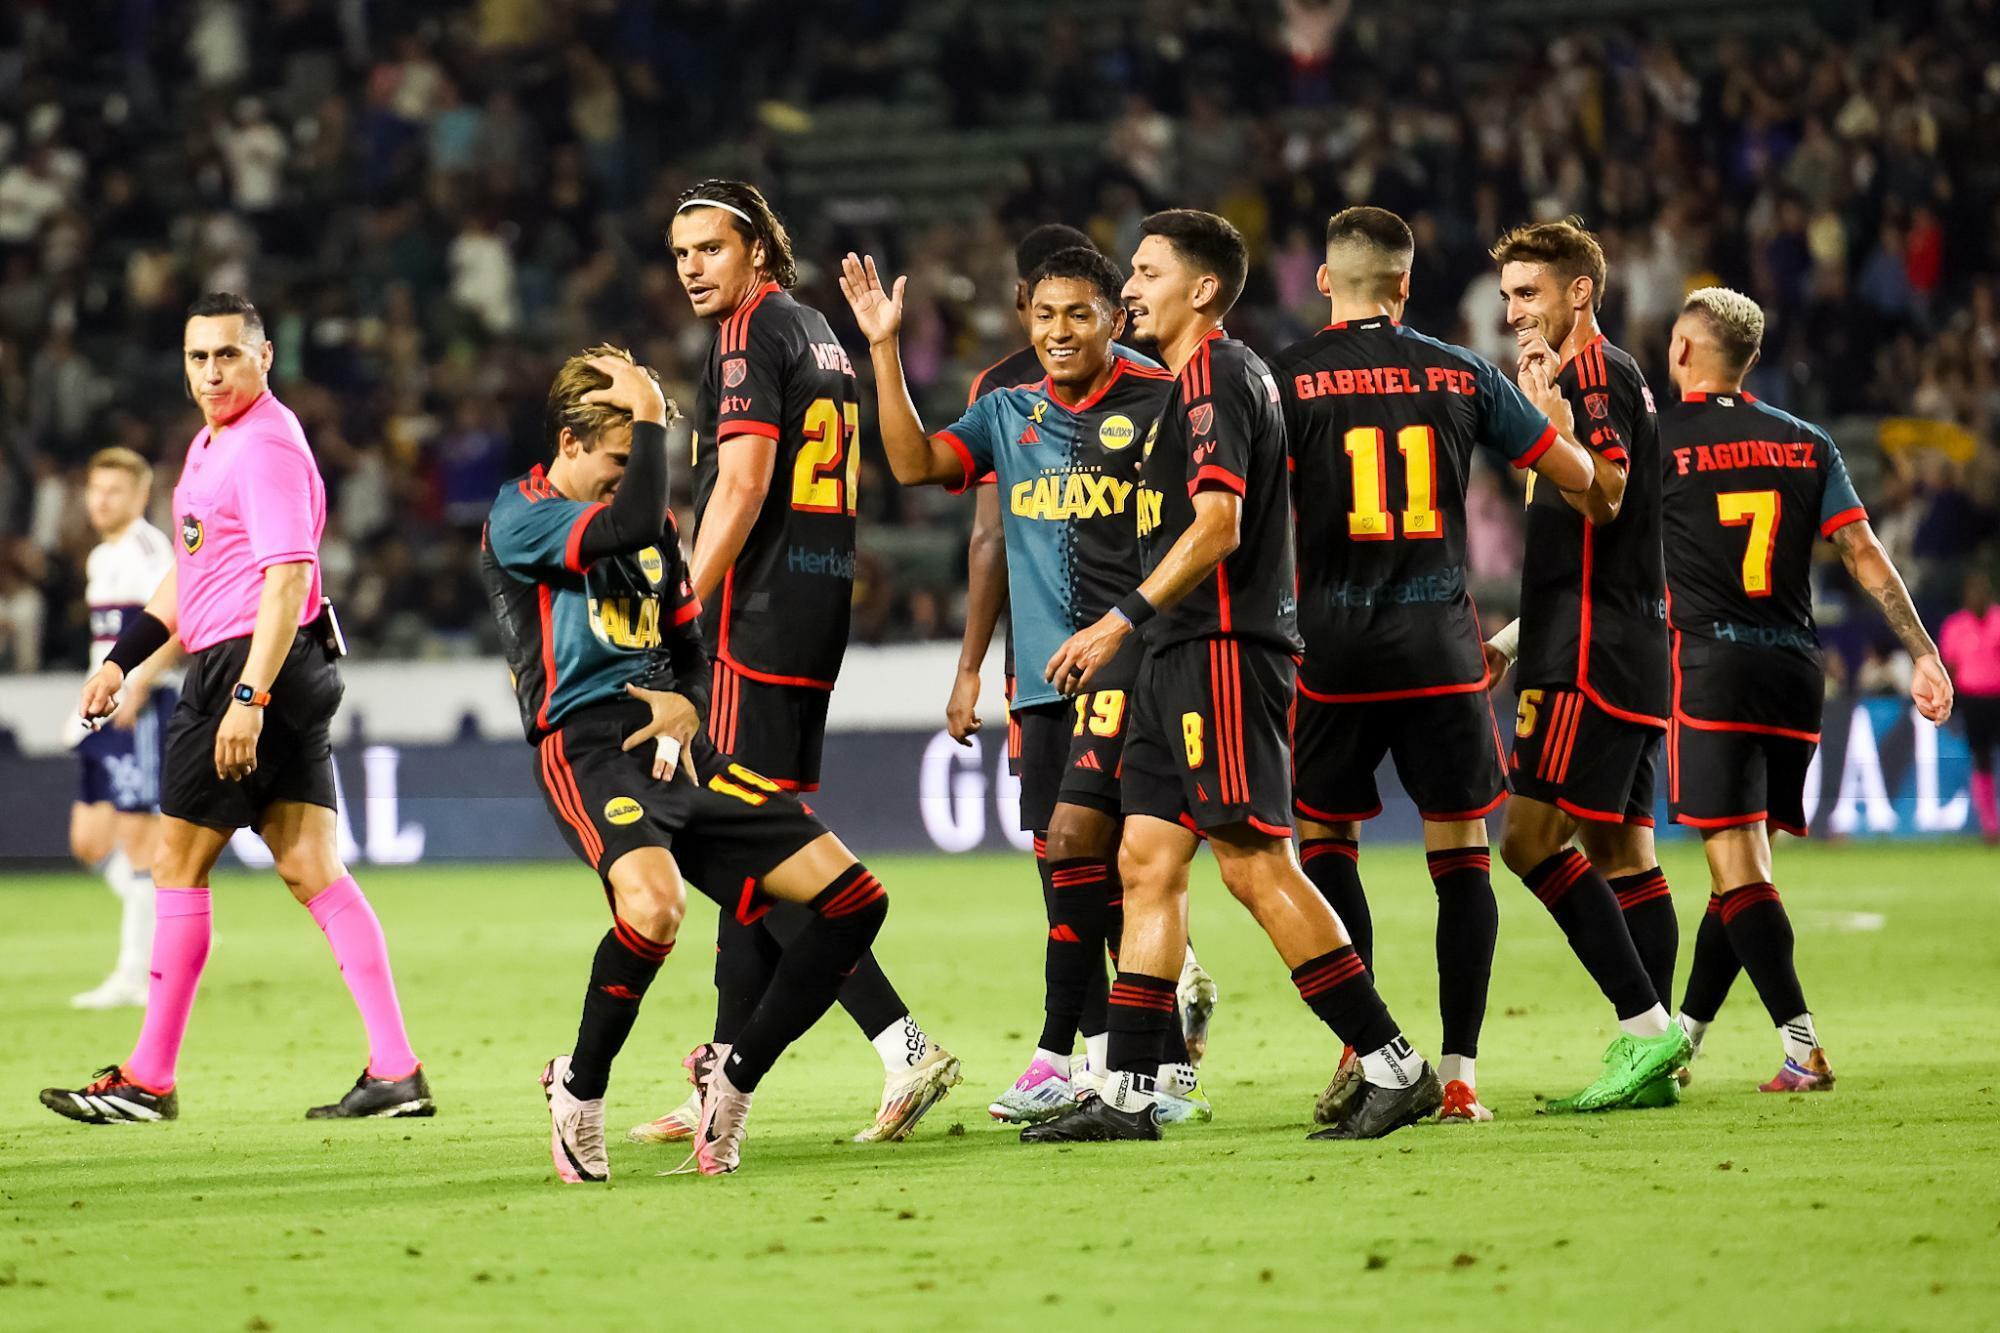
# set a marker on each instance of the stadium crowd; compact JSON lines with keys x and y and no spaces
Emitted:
{"x":434,"y":202}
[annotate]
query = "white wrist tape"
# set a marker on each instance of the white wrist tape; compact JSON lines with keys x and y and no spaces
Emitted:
{"x":1508,"y":642}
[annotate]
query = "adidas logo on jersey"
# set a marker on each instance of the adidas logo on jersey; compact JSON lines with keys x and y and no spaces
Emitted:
{"x":1030,"y":435}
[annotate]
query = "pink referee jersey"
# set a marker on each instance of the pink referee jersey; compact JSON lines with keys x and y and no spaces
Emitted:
{"x":1970,"y":647}
{"x":245,"y":502}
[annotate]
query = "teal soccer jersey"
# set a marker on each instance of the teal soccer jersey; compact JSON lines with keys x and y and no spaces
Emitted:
{"x":576,"y":633}
{"x":1068,"y":476}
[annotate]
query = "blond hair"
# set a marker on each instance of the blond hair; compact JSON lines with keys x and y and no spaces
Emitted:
{"x":118,"y":458}
{"x":1565,"y":248}
{"x":577,"y":379}
{"x":1734,"y":320}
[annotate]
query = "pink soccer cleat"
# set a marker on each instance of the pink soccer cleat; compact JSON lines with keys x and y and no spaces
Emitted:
{"x":1041,"y":1093}
{"x":1815,"y":1075}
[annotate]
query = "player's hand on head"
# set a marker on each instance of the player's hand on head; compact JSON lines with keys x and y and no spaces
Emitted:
{"x":961,"y":711}
{"x":675,"y":721}
{"x":632,"y":389}
{"x":878,"y":311}
{"x":1931,"y":689}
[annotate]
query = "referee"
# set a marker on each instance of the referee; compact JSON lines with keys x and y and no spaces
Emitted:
{"x":250,"y":744}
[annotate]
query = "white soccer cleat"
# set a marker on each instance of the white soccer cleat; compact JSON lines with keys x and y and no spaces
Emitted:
{"x":1039,"y":1094}
{"x":907,"y":1095}
{"x":576,"y":1128}
{"x":725,"y":1116}
{"x":1196,"y":994}
{"x":116,"y":992}
{"x":1178,"y":1098}
{"x":678,"y":1125}
{"x":1083,"y":1080}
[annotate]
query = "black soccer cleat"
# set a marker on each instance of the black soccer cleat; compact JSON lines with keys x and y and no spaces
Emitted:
{"x":1378,"y":1111}
{"x":381,"y":1099}
{"x":1094,"y":1120}
{"x":113,"y":1099}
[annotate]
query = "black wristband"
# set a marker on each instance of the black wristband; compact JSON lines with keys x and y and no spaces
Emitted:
{"x":1135,"y":608}
{"x":142,"y":636}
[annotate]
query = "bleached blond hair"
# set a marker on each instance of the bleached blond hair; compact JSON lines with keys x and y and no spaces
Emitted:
{"x":1734,"y":320}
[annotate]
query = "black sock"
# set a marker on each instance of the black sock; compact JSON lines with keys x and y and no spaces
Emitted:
{"x":1649,"y":920}
{"x":1336,"y":987}
{"x":1468,"y":924}
{"x":1141,"y":1010}
{"x":1077,"y":890}
{"x":1584,"y":906}
{"x":846,"y":916}
{"x":1761,"y":935}
{"x":1092,"y":1020}
{"x":624,"y":967}
{"x":1714,"y":968}
{"x":746,"y":957}
{"x":1334,"y":867}
{"x":867,"y":995}
{"x":1095,"y":1019}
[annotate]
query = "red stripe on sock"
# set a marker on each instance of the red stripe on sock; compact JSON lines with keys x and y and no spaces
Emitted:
{"x":1643,"y":893}
{"x":1736,"y":901}
{"x":1313,"y":848}
{"x":1323,"y":979}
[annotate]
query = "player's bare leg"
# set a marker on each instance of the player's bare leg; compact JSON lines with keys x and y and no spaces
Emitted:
{"x":1759,"y":934}
{"x":1534,"y":842}
{"x":119,"y":845}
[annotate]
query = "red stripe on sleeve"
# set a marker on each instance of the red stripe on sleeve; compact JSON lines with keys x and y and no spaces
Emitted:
{"x":1842,"y":519}
{"x":1215,"y":477}
{"x":1537,"y":449}
{"x":964,"y":461}
{"x":573,"y":548}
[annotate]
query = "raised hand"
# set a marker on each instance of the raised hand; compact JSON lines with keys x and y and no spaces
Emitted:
{"x":632,"y":389}
{"x":1537,"y":381}
{"x":878,"y":312}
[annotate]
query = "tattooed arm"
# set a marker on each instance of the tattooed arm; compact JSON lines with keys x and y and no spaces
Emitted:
{"x":1930,"y":685}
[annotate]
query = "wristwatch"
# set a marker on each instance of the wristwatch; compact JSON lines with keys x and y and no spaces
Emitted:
{"x":243,"y":694}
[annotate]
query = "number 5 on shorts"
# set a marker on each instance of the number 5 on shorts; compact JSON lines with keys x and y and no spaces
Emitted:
{"x":1529,"y":713}
{"x":1191,"y":738}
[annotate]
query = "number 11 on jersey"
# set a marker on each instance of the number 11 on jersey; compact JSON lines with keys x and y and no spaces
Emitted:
{"x":1370,"y":520}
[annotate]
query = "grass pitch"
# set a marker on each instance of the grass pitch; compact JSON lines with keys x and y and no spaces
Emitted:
{"x":1875,"y":1206}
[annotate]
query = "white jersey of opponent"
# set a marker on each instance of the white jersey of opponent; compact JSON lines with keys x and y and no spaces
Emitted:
{"x":119,"y":579}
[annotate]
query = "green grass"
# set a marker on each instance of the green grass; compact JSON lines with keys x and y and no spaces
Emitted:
{"x":1877,"y":1206}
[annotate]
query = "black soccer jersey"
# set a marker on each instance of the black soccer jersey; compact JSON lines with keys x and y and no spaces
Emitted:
{"x":1221,"y":430}
{"x":576,"y":633}
{"x":1593,"y":599}
{"x":776,"y":370}
{"x":1748,"y":491}
{"x":1381,"y":422}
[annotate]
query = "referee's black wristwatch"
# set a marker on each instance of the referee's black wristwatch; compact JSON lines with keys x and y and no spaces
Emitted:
{"x":252,"y":698}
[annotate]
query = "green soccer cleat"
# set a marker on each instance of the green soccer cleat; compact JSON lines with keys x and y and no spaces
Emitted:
{"x":1630,"y":1063}
{"x":1662,"y":1091}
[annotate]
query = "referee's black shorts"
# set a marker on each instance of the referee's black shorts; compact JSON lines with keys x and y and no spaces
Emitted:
{"x":294,"y":751}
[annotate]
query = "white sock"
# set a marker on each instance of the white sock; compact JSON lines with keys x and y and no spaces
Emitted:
{"x":1059,"y":1063}
{"x":1097,"y":1051}
{"x":1799,"y":1038}
{"x":1456,"y":1069}
{"x":1127,"y":1091}
{"x":1652,"y":1023}
{"x":1176,"y":1080}
{"x":135,"y":928}
{"x":902,"y":1045}
{"x":1695,"y":1028}
{"x":1396,"y":1065}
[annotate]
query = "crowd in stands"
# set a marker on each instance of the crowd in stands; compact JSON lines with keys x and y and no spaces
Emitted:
{"x":432,"y":202}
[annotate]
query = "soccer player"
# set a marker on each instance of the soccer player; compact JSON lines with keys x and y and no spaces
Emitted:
{"x":583,"y":567}
{"x":777,"y":459}
{"x":1593,"y":669}
{"x":1382,"y":423}
{"x":115,"y":820}
{"x":1207,"y":749}
{"x":250,"y":744}
{"x":1748,"y":489}
{"x":1969,"y":644}
{"x":1064,"y":454}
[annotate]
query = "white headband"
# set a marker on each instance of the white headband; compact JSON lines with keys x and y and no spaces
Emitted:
{"x":716,"y":203}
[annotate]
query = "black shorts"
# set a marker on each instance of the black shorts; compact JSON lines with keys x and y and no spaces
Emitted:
{"x":776,"y":730}
{"x":1446,"y":748}
{"x":1981,"y":714}
{"x":1720,"y":779}
{"x":1209,"y":741}
{"x":725,"y":834}
{"x":1070,"y":753}
{"x":294,"y":750}
{"x":1573,"y":755}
